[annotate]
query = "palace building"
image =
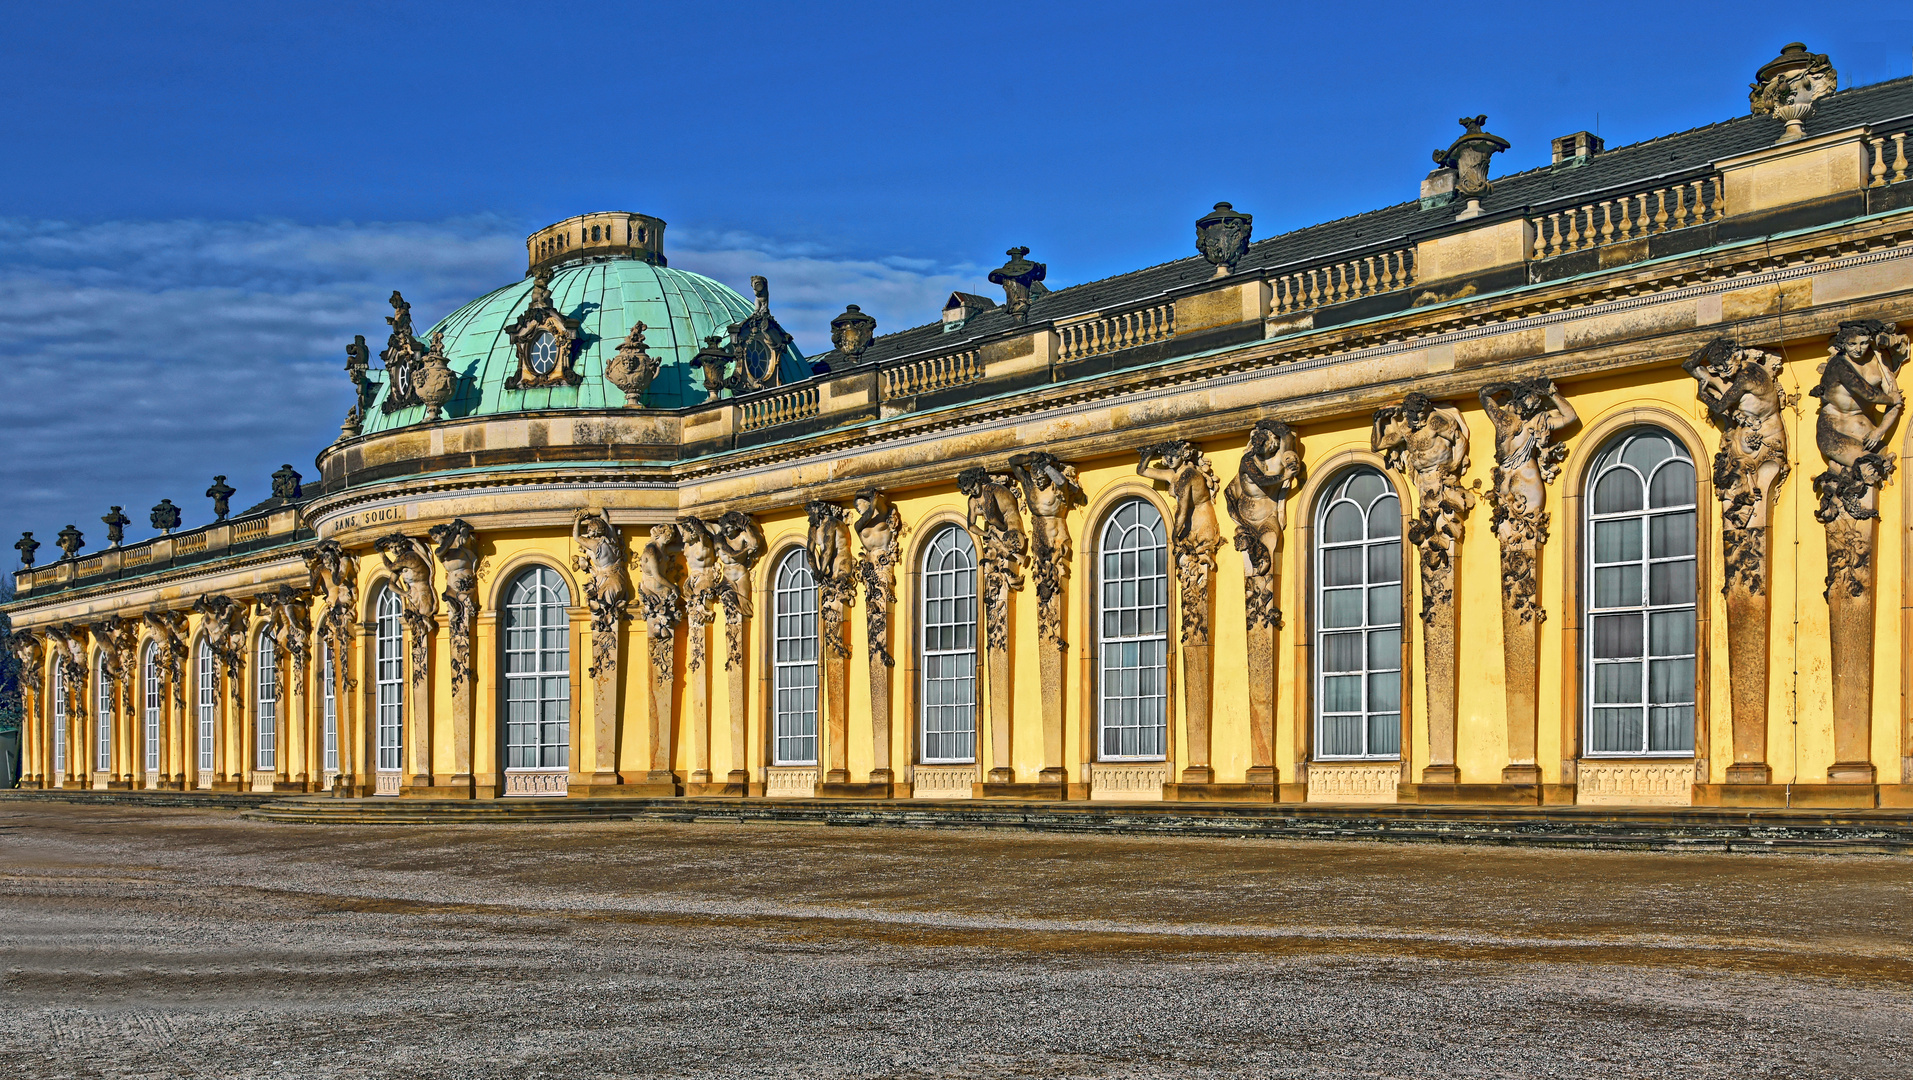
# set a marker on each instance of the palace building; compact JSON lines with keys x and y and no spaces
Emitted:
{"x":1577,"y":486}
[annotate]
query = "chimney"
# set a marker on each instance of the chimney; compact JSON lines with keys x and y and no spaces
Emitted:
{"x":1576,"y":148}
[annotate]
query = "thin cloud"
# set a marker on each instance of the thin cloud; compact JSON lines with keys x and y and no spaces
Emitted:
{"x":141,"y":358}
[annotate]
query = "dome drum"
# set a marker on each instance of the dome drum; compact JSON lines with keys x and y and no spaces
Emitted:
{"x":595,"y":236}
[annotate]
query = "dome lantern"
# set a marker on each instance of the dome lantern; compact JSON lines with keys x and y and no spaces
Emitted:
{"x":596,"y":236}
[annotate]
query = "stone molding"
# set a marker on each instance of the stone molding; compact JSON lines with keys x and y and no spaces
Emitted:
{"x":1634,"y":783}
{"x":790,"y":782}
{"x":943,"y":781}
{"x":1353,"y":782}
{"x":1127,"y":781}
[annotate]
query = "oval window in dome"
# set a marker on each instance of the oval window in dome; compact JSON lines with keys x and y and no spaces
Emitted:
{"x":544,"y":353}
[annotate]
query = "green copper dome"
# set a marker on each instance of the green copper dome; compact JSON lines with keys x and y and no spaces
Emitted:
{"x":679,"y":310}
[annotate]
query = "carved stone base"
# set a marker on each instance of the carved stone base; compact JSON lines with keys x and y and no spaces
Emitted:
{"x":838,"y":790}
{"x":793,"y":782}
{"x":882,"y":776}
{"x":1123,"y":781}
{"x":1750,"y":772}
{"x":536,"y":784}
{"x":837,"y":776}
{"x":1441,"y":774}
{"x":1635,"y":783}
{"x":1028,"y":792}
{"x":1187,"y":792}
{"x":1335,"y":782}
{"x":458,"y":785}
{"x":943,"y":781}
{"x":1801,"y":796}
{"x":1198,"y":775}
{"x":1521,"y":774}
{"x":1002,"y":775}
{"x":1851,"y":772}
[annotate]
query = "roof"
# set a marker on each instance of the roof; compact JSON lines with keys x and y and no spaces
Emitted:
{"x":1616,"y":167}
{"x":679,"y":310}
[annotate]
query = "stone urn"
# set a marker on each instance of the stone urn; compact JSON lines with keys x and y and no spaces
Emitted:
{"x":632,"y":369}
{"x":435,"y":381}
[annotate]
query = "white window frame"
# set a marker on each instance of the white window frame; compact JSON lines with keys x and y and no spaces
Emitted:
{"x":389,"y":682}
{"x":947,"y":603}
{"x":149,"y":671}
{"x":795,"y":683}
{"x":1332,"y":495}
{"x":103,"y":730}
{"x":329,"y":699}
{"x":59,"y":721}
{"x":208,"y":686}
{"x":547,"y":681}
{"x":266,"y":702}
{"x":1589,"y":663}
{"x":1115,"y":695}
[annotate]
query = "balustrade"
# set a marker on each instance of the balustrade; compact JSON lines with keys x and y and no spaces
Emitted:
{"x":934,"y":373}
{"x":1093,"y":335}
{"x":1629,"y":217}
{"x":1889,"y":164}
{"x":1336,"y":283}
{"x":777,"y":409}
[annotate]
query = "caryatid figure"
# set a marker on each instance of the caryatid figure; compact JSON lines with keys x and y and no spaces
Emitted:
{"x":1050,"y":488}
{"x":1429,"y":443}
{"x":739,"y":544}
{"x":1193,"y":533}
{"x":998,"y":527}
{"x":1257,"y":499}
{"x":1741,"y":389}
{"x":879,"y":527}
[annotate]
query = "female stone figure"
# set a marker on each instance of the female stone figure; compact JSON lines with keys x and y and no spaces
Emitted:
{"x":1193,"y":533}
{"x":1049,"y":490}
{"x":410,"y":563}
{"x":703,"y":581}
{"x":997,"y":525}
{"x":1257,"y":500}
{"x":1861,"y":372}
{"x":607,"y":587}
{"x":879,"y":526}
{"x":658,"y":595}
{"x":739,"y":544}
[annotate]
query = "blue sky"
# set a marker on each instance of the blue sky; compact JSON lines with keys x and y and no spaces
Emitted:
{"x":203,"y":202}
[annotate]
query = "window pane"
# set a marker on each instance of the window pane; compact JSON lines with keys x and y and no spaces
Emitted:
{"x":1385,"y":691}
{"x":1673,"y":485}
{"x":1618,"y":491}
{"x":1385,"y":735}
{"x":1342,"y":735}
{"x":1615,"y":731}
{"x":1342,"y":566}
{"x":1617,"y":586}
{"x":1385,"y":605}
{"x":1342,"y":607}
{"x":1384,"y":650}
{"x":1670,"y":535}
{"x":1344,"y":523}
{"x":1671,"y":582}
{"x":1342,"y":693}
{"x":1671,"y":633}
{"x":1617,"y":684}
{"x":1617,"y":636}
{"x":1671,"y":682}
{"x":1342,"y":652}
{"x":1384,"y":563}
{"x":1385,"y":518}
{"x":1671,"y":730}
{"x":1617,"y":541}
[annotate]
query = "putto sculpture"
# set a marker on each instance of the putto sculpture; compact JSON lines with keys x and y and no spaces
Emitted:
{"x":1525,"y":415}
{"x":1787,"y":86}
{"x":1222,"y":237}
{"x":1257,"y":500}
{"x":631,"y":368}
{"x":1193,"y":532}
{"x":1020,"y":279}
{"x":852,"y":332}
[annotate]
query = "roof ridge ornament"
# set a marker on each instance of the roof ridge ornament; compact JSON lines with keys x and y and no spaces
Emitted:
{"x":1786,"y":87}
{"x":165,"y":517}
{"x":1222,"y":237}
{"x":546,"y":340}
{"x":1468,"y":156}
{"x":116,"y":522}
{"x":1020,"y":278}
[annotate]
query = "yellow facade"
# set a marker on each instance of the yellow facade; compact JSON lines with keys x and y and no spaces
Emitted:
{"x":1807,"y":235}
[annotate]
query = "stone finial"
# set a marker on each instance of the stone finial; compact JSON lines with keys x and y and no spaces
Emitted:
{"x":116,"y":523}
{"x":71,"y":540}
{"x":165,"y":516}
{"x":221,"y":494}
{"x":852,"y":331}
{"x":1786,"y":87}
{"x":1020,"y":278}
{"x":715,"y":360}
{"x":358,"y":367}
{"x":1468,"y":156}
{"x":26,"y":546}
{"x":285,"y":483}
{"x":632,"y":368}
{"x":1222,"y":237}
{"x":435,"y":378}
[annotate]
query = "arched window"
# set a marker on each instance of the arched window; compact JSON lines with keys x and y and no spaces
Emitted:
{"x":949,"y":648}
{"x":1358,"y":618}
{"x":1642,"y":525}
{"x":208,"y":704}
{"x":1133,"y":719}
{"x":794,"y":663}
{"x":329,"y":705}
{"x":59,"y":721}
{"x":537,"y":672}
{"x":103,"y":731}
{"x":267,"y":682}
{"x":149,"y":671}
{"x":390,"y":645}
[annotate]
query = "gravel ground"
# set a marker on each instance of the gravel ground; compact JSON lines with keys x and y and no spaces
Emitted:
{"x":152,"y":942}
